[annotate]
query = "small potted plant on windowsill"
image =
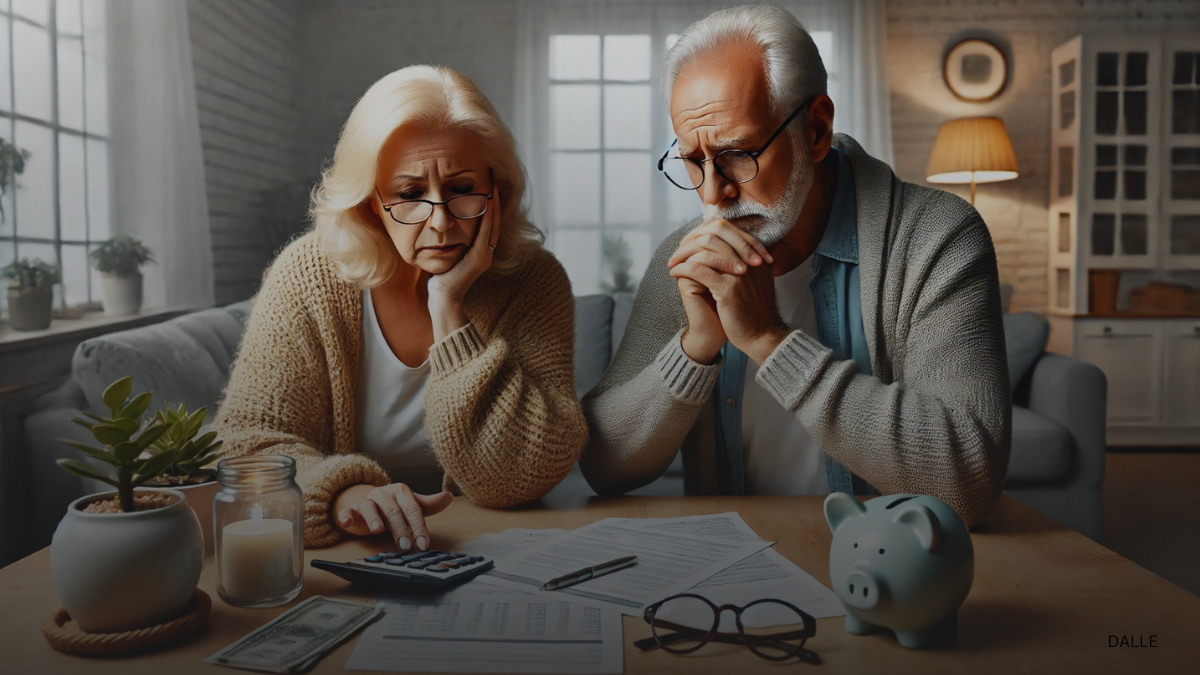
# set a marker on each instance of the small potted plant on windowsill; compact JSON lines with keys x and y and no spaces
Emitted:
{"x":30,"y":293}
{"x":12,"y":164}
{"x":119,"y":261}
{"x":130,"y":559}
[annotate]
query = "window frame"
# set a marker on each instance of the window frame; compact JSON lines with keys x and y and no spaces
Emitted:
{"x":54,"y":125}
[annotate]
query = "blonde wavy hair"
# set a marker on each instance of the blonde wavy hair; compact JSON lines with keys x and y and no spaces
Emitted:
{"x":430,"y":98}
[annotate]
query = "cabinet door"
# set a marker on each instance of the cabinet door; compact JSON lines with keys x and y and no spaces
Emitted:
{"x":1130,"y":354}
{"x":1183,"y":373}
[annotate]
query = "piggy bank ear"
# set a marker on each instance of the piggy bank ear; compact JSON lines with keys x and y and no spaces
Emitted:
{"x":839,"y":506}
{"x":922,"y":521}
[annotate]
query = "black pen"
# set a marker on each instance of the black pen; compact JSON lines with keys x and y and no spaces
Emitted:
{"x":589,"y":573}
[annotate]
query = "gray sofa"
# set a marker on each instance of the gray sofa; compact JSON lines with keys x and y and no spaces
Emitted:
{"x":1057,"y":462}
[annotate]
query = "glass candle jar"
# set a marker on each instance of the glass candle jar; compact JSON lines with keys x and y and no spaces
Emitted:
{"x":258,"y":522}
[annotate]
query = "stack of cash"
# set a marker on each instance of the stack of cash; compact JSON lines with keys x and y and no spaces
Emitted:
{"x":295,"y":640}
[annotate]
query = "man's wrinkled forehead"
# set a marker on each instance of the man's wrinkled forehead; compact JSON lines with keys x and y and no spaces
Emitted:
{"x":721,"y":99}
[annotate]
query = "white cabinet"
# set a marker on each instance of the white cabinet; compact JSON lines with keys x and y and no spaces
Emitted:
{"x":1153,"y":372}
{"x":1182,"y":346}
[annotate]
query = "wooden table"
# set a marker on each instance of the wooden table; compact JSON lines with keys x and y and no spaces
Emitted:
{"x":1045,"y":599}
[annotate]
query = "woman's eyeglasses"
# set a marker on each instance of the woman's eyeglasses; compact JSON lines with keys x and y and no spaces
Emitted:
{"x":737,"y":166}
{"x":417,"y":211}
{"x":773,"y":629}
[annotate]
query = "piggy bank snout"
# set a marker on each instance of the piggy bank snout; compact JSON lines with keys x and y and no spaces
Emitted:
{"x":862,"y":590}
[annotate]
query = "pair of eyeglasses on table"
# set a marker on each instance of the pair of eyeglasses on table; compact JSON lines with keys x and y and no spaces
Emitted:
{"x":684,"y":623}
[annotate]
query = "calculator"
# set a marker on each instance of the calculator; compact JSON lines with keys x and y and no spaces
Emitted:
{"x":428,"y":571}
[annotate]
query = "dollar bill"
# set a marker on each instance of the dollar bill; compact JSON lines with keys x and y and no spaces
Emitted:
{"x":294,"y":641}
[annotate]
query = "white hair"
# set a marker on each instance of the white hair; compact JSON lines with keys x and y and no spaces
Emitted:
{"x":794,"y":68}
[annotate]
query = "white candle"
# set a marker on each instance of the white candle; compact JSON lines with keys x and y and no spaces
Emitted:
{"x":257,"y":557}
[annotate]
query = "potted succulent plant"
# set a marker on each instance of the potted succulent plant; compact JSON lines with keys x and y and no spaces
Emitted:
{"x":30,"y":293}
{"x":131,"y":558}
{"x":119,"y":261}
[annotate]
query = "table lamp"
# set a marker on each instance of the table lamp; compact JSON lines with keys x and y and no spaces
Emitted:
{"x":972,"y":150}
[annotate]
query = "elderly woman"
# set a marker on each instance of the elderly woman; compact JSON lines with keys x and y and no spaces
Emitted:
{"x":419,"y":338}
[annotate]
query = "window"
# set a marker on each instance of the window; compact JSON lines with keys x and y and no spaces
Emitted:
{"x":609,"y":209}
{"x":54,"y":104}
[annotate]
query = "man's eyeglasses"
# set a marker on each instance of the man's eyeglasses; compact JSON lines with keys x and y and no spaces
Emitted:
{"x":417,"y":211}
{"x":737,"y":166}
{"x":684,"y":623}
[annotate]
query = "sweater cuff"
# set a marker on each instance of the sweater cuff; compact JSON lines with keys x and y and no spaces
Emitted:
{"x":321,"y":485}
{"x":687,"y":381}
{"x":791,"y":368}
{"x":456,"y":349}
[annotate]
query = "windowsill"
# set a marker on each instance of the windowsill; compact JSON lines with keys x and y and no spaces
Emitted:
{"x":89,"y":325}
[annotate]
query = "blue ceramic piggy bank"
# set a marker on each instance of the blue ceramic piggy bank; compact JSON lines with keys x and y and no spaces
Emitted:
{"x":903,"y":562}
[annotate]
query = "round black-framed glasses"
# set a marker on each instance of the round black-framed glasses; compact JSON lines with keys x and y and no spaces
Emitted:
{"x":734,"y":165}
{"x":777,"y":643}
{"x":462,"y":207}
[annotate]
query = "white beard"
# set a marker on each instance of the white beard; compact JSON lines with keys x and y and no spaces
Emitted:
{"x":771,"y":223}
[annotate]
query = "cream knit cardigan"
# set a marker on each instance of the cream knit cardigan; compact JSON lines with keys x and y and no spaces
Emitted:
{"x":500,"y":406}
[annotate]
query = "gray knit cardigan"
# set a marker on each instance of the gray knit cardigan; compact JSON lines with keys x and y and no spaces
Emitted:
{"x":935,"y":416}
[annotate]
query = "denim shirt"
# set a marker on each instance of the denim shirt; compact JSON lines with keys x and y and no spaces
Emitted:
{"x":837,"y":302}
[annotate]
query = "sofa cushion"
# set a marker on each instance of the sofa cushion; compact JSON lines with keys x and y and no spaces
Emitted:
{"x":1025,"y":338}
{"x":593,"y":339}
{"x":186,"y":359}
{"x":1041,"y":448}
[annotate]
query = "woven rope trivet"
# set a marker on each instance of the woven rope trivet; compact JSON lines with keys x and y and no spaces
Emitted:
{"x":66,"y":636}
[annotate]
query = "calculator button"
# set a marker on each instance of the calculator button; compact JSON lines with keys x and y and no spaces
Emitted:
{"x":439,"y":570}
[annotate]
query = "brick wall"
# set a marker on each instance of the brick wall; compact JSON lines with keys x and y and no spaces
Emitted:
{"x":352,"y":43}
{"x":919,"y":32}
{"x":247,"y":58}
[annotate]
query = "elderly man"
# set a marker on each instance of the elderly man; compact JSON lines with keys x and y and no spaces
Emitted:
{"x":825,"y":326}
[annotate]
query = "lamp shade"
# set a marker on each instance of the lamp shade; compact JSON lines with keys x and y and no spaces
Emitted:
{"x":972,"y":149}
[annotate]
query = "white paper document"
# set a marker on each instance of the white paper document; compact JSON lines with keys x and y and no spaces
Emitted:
{"x":668,"y":563}
{"x":486,"y":629}
{"x":509,"y":542}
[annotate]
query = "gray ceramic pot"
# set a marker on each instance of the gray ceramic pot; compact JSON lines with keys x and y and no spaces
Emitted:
{"x":29,"y":308}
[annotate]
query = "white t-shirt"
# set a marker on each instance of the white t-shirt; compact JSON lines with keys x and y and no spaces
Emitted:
{"x":780,"y":457}
{"x":390,"y":403}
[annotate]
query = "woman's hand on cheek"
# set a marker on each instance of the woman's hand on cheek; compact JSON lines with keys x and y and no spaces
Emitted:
{"x":447,"y":290}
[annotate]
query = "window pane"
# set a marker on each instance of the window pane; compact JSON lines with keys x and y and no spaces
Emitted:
{"x":575,"y":57}
{"x":1066,"y":73}
{"x":35,"y":196}
{"x":627,"y":116}
{"x":1104,"y":227}
{"x":1185,"y":235}
{"x":74,"y":274}
{"x":672,"y":38}
{"x":70,"y":83}
{"x":627,"y":188}
{"x":576,"y":192}
{"x":1106,"y":112}
{"x":70,"y":18}
{"x":1135,"y":69}
{"x":1185,"y":185}
{"x":1106,"y":68}
{"x":1064,"y":233}
{"x":95,"y":74}
{"x":640,"y":250}
{"x":72,"y":196}
{"x":6,"y":200}
{"x":1066,"y":106}
{"x":1135,"y":155}
{"x":1185,"y":156}
{"x":576,"y":112}
{"x":682,"y":205}
{"x":1135,"y":184}
{"x":34,"y":10}
{"x":1182,"y":72}
{"x":579,"y":253}
{"x":1106,"y":185}
{"x":33,"y":77}
{"x":97,"y":190}
{"x":1106,"y":155}
{"x":5,"y":69}
{"x":1062,"y":282}
{"x":1133,"y":234}
{"x":627,"y":57}
{"x":1135,"y":112}
{"x":1066,"y":171}
{"x":824,"y":42}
